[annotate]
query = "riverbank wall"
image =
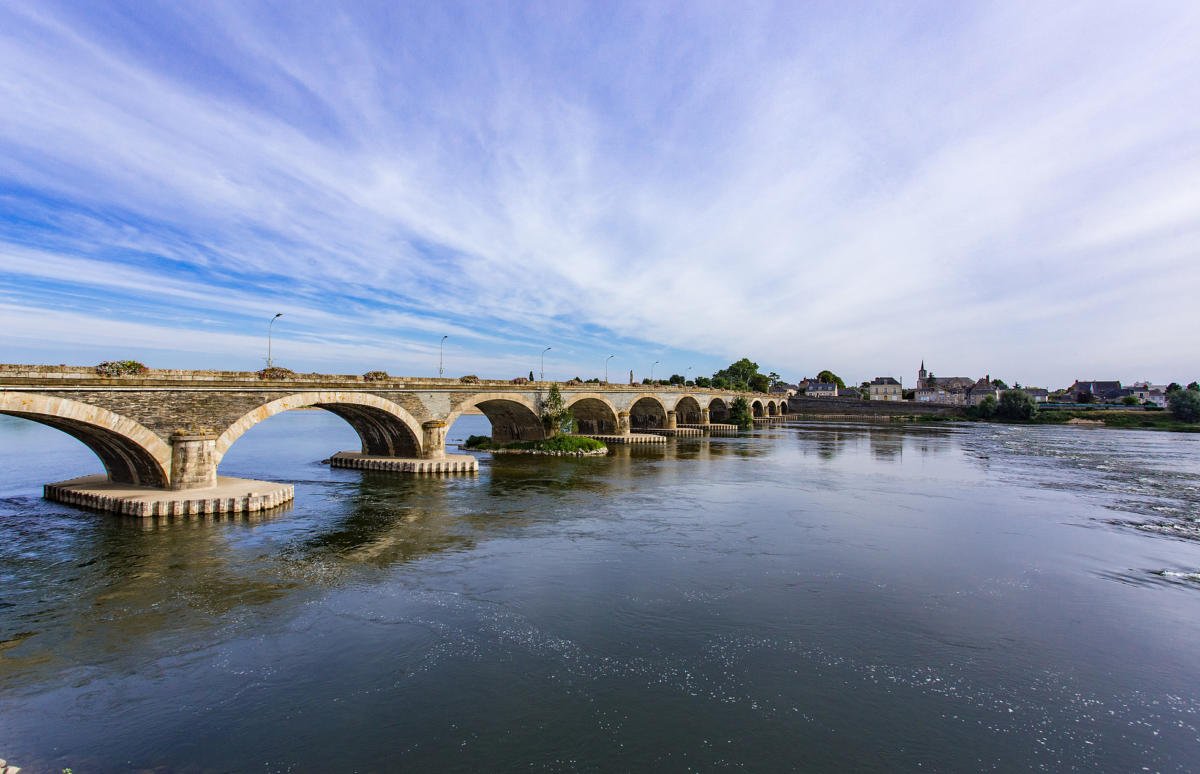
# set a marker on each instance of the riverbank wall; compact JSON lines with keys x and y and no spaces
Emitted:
{"x":853,"y":408}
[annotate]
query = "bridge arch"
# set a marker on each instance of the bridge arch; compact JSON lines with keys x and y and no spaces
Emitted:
{"x":647,"y":411}
{"x":385,"y":428}
{"x":514,"y":417}
{"x":718,"y":410}
{"x":772,"y":409}
{"x":757,"y":409}
{"x":594,"y":414}
{"x":131,"y":453}
{"x":687,"y":410}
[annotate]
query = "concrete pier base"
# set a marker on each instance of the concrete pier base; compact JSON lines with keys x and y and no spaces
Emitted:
{"x":678,"y":432}
{"x":231,"y":496}
{"x":715,"y":428}
{"x":625,"y":439}
{"x":451,"y":463}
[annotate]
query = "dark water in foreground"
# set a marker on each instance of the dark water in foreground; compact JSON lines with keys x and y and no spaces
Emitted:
{"x":814,"y":596}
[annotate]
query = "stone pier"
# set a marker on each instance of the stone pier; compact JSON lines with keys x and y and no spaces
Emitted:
{"x":227,"y":497}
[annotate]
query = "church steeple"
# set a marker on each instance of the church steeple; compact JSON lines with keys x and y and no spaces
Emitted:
{"x":921,"y":374}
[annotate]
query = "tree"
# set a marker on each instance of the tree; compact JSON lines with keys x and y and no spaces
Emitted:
{"x":1015,"y":404}
{"x":531,"y":376}
{"x":987,"y":407}
{"x":1194,"y":386}
{"x":1130,"y":400}
{"x":1185,"y":405}
{"x":721,"y":383}
{"x":1085,"y":396}
{"x":738,"y":374}
{"x":676,"y":379}
{"x":1000,"y":385}
{"x":703,"y":381}
{"x":1173,"y":387}
{"x":556,"y":417}
{"x":930,"y":380}
{"x":759,"y":383}
{"x":739,"y":413}
{"x":829,"y":377}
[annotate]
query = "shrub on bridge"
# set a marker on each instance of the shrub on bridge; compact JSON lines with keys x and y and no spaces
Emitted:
{"x":469,"y":379}
{"x":376,"y":376}
{"x":276,"y":372}
{"x":121,"y":368}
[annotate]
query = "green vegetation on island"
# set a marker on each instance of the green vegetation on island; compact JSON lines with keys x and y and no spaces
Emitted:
{"x":559,"y":444}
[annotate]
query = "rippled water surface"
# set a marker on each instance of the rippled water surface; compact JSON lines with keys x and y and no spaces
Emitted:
{"x":811,"y":596}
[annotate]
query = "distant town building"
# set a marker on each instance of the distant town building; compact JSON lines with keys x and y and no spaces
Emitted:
{"x":822,"y":390}
{"x":885,"y":388}
{"x":1101,"y":391}
{"x":1038,"y":394}
{"x":946,"y":383}
{"x":979,"y":391}
{"x":1145,"y":392}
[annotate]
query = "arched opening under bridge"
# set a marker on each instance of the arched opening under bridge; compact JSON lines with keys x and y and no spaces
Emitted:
{"x":384,"y":428}
{"x":687,"y":411}
{"x":593,"y":415}
{"x":129,"y":452}
{"x":513,"y":417}
{"x":647,"y":413}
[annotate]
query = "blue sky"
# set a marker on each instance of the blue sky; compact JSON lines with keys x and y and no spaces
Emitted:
{"x":1010,"y":188}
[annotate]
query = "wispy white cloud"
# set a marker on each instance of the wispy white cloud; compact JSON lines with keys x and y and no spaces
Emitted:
{"x":804,"y":184}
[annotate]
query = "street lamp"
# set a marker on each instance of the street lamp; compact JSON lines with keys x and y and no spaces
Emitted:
{"x":441,"y":354}
{"x":686,"y":374}
{"x":656,"y":362}
{"x":610,"y":357}
{"x":271,"y":325}
{"x":543,"y":372}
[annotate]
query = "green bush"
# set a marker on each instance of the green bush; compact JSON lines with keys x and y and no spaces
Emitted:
{"x":1185,"y":405}
{"x":477,"y":442}
{"x":121,"y":368}
{"x":559,"y":443}
{"x":1130,"y":400}
{"x":556,"y":417}
{"x":1015,"y":404}
{"x":987,"y":407}
{"x":740,"y":414}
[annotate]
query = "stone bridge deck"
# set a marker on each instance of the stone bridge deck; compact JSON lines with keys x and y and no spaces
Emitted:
{"x":170,"y":429}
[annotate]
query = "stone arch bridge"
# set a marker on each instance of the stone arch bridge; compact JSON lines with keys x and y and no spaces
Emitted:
{"x":170,"y":429}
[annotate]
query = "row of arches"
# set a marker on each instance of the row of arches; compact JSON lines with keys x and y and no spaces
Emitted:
{"x":133,"y":454}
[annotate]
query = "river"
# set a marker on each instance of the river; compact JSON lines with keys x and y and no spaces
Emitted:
{"x":818,"y":596}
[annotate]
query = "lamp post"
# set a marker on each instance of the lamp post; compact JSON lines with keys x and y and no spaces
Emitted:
{"x":270,"y":326}
{"x":686,"y":374}
{"x":656,"y":362}
{"x":441,"y":355}
{"x":542,"y":375}
{"x":610,"y":357}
